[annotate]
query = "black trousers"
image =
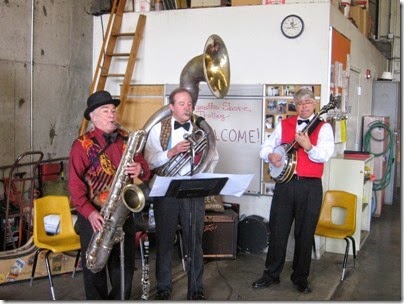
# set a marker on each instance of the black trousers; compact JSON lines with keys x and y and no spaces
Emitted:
{"x":96,"y":284}
{"x":299,"y":201}
{"x":169,"y":212}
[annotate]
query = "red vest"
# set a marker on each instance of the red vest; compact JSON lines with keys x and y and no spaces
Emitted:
{"x":305,"y":167}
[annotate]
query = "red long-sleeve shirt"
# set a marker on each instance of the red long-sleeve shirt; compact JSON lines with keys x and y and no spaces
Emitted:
{"x":79,"y":161}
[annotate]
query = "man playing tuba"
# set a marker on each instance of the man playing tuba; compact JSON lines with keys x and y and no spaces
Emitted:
{"x":166,"y":141}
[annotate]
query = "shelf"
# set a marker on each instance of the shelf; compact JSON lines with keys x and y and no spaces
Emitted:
{"x":347,"y":174}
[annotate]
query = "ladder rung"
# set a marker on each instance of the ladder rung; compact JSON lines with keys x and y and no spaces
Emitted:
{"x":113,"y":75}
{"x":119,"y":54}
{"x":123,"y":34}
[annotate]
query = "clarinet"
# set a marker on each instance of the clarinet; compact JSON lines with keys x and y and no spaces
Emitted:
{"x":145,"y":271}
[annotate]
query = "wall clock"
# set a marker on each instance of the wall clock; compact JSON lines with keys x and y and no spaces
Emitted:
{"x":292,"y":26}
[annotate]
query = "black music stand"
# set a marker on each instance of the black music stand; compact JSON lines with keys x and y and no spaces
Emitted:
{"x":193,"y":188}
{"x":197,"y":187}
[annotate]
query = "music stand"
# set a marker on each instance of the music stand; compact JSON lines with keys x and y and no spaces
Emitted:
{"x":192,"y":188}
{"x":197,"y":187}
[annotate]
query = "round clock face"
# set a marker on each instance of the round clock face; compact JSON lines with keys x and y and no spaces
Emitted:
{"x":292,"y":26}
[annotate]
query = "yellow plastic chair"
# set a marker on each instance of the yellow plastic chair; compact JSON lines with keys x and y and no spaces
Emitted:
{"x":64,"y":240}
{"x":345,"y":227}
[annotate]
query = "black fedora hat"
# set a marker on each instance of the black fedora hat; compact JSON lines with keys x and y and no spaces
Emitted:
{"x":99,"y":99}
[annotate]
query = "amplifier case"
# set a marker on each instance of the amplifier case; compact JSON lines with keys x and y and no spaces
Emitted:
{"x":220,"y":235}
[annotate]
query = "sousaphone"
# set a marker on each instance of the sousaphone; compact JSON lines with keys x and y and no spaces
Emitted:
{"x":212,"y":67}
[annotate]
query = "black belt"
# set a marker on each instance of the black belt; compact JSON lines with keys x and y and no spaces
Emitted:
{"x":296,"y":177}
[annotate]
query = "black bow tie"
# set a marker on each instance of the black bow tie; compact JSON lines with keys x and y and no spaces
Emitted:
{"x":300,"y":121}
{"x":178,"y":125}
{"x":110,"y":138}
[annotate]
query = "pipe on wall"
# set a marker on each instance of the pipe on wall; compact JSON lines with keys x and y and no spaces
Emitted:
{"x":31,"y":99}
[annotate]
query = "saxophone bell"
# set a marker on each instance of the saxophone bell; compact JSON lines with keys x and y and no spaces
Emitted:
{"x":134,"y":196}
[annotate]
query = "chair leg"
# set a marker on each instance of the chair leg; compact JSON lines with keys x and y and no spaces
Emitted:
{"x":76,"y":262}
{"x":314,"y":248}
{"x":353,"y":249}
{"x":34,"y":265}
{"x":345,"y":259}
{"x":50,"y":274}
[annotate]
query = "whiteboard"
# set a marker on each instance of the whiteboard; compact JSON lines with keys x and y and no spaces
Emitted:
{"x":237,"y":123}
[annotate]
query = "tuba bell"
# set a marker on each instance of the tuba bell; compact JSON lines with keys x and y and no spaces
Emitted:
{"x":212,"y":66}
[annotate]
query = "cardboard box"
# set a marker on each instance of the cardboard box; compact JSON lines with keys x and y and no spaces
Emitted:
{"x":365,"y":26}
{"x":220,"y":235}
{"x":361,"y":18}
{"x":356,"y":14}
{"x":207,"y":3}
{"x":142,"y":6}
{"x":270,"y":2}
{"x":245,"y":2}
{"x":362,"y":3}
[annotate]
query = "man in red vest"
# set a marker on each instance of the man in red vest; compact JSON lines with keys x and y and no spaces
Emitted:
{"x":298,"y":200}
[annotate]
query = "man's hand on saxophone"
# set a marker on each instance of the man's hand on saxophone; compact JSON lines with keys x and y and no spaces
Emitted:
{"x":96,"y":220}
{"x":134,"y":169}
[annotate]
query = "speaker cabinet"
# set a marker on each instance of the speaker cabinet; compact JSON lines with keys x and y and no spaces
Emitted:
{"x":253,"y":234}
{"x":220,"y":235}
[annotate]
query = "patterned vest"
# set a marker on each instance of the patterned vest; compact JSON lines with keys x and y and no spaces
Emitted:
{"x":100,"y":174}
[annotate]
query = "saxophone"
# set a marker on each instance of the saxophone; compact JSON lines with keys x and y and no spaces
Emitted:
{"x":123,"y":198}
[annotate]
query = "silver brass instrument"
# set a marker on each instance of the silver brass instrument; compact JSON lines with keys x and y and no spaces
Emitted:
{"x":199,"y":142}
{"x":213,"y":67}
{"x":122,"y":199}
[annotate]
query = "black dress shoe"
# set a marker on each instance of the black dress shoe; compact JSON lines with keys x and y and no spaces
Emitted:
{"x":302,"y":287}
{"x":163,"y":295}
{"x":265,"y":282}
{"x":198,"y":296}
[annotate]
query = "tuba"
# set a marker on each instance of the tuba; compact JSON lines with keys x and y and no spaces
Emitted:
{"x":213,"y":67}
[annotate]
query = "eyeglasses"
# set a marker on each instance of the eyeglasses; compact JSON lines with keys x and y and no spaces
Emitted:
{"x":304,"y":102}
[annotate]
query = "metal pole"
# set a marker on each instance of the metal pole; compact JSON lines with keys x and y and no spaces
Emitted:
{"x":122,"y":248}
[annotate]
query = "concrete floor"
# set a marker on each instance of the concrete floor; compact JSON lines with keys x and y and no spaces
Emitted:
{"x":376,"y":277}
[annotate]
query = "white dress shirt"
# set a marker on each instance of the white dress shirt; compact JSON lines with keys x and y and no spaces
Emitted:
{"x":154,"y":153}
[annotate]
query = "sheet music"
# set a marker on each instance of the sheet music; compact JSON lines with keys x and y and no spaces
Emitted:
{"x":235,"y":186}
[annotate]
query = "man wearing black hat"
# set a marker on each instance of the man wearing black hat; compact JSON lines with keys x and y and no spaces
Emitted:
{"x":94,"y":159}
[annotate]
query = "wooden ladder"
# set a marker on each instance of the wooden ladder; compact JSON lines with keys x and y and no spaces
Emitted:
{"x":112,"y":35}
